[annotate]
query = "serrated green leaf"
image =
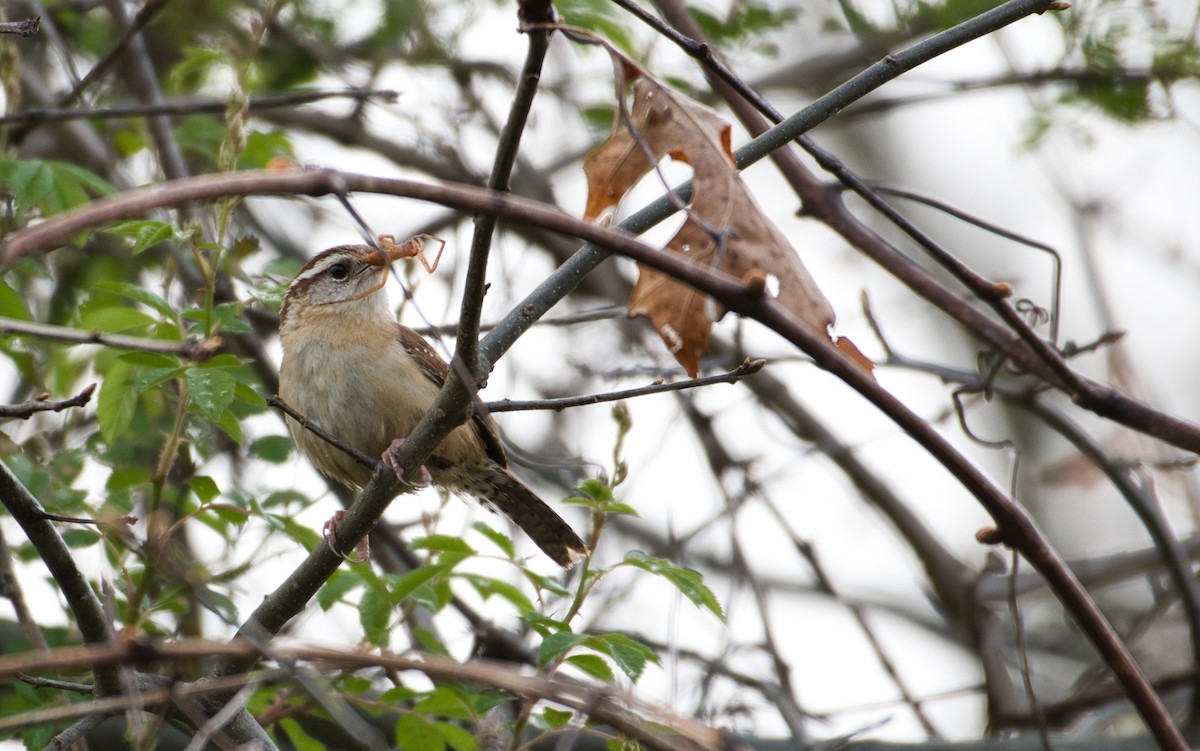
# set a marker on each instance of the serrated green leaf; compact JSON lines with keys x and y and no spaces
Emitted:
{"x":593,"y":665}
{"x":148,"y":379}
{"x":211,"y":390}
{"x":557,"y":644}
{"x":631,"y":656}
{"x":31,"y":182}
{"x":230,"y":425}
{"x":687,"y":581}
{"x":499,"y":539}
{"x":375,"y":614}
{"x":146,"y":233}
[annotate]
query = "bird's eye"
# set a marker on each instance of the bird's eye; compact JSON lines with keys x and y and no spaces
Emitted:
{"x":339,"y":271}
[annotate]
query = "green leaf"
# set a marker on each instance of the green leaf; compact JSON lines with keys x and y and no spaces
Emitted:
{"x":80,"y":538}
{"x":445,"y":543}
{"x":375,"y":614}
{"x":229,"y":423}
{"x":140,"y":294}
{"x":336,"y":587}
{"x":204,"y":487}
{"x":114,"y":318}
{"x":556,"y":718}
{"x":405,"y":585}
{"x":146,"y":233}
{"x":430,"y":643}
{"x":486,"y":586}
{"x":593,"y":665}
{"x":31,"y":182}
{"x":631,"y":656}
{"x":687,"y":581}
{"x":211,"y":390}
{"x":272,"y":448}
{"x":445,"y":702}
{"x":298,"y":737}
{"x":550,"y":584}
{"x":11,"y":304}
{"x":557,"y":644}
{"x":415,"y":733}
{"x":499,"y":539}
{"x":116,"y":401}
{"x":457,"y":738}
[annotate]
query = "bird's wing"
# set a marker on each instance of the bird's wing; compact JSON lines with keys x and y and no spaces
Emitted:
{"x":436,"y":369}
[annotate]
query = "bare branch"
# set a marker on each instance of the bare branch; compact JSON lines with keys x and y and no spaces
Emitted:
{"x":43,"y":403}
{"x":189,"y":106}
{"x":748,"y":367}
{"x":26,"y":28}
{"x":196,"y":350}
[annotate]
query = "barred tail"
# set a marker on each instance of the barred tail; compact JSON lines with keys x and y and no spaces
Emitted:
{"x":506,"y":494}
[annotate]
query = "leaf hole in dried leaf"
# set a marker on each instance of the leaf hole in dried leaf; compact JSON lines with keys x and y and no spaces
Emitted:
{"x":773,"y":285}
{"x":671,"y":338}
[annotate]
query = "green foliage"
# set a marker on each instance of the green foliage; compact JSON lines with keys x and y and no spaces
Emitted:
{"x":48,"y":187}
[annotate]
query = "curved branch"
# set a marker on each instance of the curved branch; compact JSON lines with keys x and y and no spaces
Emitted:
{"x":451,"y":408}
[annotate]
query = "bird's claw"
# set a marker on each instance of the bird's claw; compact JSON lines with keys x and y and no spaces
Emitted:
{"x":391,"y":458}
{"x":362,"y":553}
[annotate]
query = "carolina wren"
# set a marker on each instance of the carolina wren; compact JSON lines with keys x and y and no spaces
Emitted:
{"x":351,"y":368}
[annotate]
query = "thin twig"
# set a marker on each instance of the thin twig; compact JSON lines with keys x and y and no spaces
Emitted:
{"x":748,"y":367}
{"x":367,"y":461}
{"x":143,"y":17}
{"x":43,"y":403}
{"x":196,"y":350}
{"x":26,"y":28}
{"x":189,"y":106}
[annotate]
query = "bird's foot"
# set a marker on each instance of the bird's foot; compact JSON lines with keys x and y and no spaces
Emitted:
{"x":392,"y":459}
{"x":362,"y":553}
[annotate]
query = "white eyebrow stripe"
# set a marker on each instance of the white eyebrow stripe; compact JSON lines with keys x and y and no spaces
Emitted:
{"x":320,"y":267}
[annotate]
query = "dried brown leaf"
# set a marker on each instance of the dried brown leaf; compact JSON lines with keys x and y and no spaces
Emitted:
{"x":725,"y":229}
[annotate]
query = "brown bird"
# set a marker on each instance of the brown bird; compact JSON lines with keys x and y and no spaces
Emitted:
{"x":351,"y":368}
